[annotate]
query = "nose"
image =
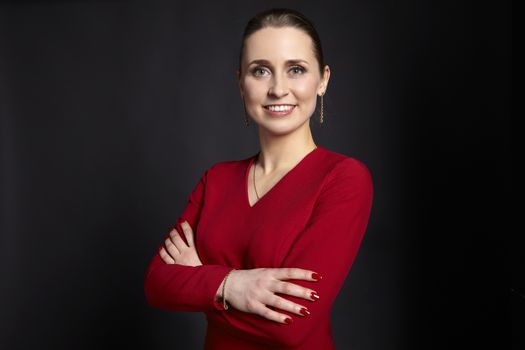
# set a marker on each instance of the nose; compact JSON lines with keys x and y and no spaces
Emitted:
{"x":278,"y":87}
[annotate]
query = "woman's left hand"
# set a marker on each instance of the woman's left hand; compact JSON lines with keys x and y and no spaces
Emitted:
{"x":175,"y":251}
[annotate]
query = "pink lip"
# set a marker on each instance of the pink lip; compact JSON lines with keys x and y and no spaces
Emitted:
{"x":279,"y":113}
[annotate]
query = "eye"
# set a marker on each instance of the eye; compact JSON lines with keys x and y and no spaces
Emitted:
{"x":297,"y":70}
{"x":259,"y":71}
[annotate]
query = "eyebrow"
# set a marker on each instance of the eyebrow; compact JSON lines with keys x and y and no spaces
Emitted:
{"x":266,"y":62}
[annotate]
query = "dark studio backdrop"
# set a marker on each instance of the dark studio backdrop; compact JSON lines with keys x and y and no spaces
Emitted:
{"x":111,"y":110}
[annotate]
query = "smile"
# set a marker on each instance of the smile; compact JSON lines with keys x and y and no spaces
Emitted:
{"x":279,"y":108}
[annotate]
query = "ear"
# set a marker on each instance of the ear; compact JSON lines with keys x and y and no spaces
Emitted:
{"x":238,"y":77}
{"x":324,"y":80}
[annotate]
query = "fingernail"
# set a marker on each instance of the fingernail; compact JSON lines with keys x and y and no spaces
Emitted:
{"x":304,"y":311}
{"x":288,"y":320}
{"x":316,"y":276}
{"x":314,"y":296}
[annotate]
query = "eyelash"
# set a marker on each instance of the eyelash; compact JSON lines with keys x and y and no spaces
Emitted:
{"x":300,"y":68}
{"x":257,"y":69}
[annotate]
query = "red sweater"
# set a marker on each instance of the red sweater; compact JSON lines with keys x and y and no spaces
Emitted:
{"x":314,"y":218}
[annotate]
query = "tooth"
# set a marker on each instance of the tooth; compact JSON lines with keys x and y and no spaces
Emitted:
{"x":280,"y":108}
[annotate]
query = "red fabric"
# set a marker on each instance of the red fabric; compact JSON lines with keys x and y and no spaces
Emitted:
{"x":313,"y":218}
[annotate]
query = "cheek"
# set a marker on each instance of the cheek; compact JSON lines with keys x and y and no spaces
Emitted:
{"x":306,"y":89}
{"x":254,"y":90}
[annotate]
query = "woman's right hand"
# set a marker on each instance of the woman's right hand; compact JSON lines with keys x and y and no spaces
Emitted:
{"x":254,"y":290}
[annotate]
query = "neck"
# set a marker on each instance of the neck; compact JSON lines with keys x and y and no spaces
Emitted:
{"x":284,"y":151}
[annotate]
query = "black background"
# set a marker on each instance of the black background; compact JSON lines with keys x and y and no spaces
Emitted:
{"x":110,"y":112}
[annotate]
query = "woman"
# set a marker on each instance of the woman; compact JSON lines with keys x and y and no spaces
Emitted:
{"x":265,"y":243}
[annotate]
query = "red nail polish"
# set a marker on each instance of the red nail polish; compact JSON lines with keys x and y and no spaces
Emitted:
{"x":316,"y":276}
{"x":314,"y":296}
{"x":304,"y":311}
{"x":288,"y":320}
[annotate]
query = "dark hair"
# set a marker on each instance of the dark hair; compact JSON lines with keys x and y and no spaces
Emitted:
{"x":283,"y":17}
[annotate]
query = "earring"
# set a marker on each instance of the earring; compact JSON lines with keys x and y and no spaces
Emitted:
{"x":321,"y":117}
{"x":246,"y":121}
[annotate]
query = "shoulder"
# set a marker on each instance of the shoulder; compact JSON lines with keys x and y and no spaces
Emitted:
{"x":340,"y":164}
{"x":228,"y":167}
{"x":344,"y":171}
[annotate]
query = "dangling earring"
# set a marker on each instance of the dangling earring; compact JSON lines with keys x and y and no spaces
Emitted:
{"x":322,"y":110}
{"x":246,"y":121}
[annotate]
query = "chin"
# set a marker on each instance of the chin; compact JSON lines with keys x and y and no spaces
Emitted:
{"x":283,"y":128}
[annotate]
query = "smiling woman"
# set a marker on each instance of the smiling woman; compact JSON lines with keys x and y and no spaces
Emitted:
{"x":280,"y":75}
{"x":265,"y":243}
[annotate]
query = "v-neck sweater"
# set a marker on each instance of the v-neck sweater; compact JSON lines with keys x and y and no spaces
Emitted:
{"x":313,"y":218}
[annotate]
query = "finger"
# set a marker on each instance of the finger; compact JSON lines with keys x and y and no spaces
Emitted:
{"x":287,"y":305}
{"x":296,"y":273}
{"x":188,"y":232}
{"x":272,"y":315}
{"x":177,"y":240}
{"x":171,"y":248}
{"x":166,"y":257}
{"x":294,"y":290}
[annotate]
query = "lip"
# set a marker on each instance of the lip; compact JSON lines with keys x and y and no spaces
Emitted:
{"x":279,"y":113}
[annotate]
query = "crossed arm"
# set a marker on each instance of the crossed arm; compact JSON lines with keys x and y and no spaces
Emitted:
{"x":327,"y":246}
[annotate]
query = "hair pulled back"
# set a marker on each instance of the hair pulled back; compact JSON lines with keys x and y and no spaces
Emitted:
{"x":283,"y":17}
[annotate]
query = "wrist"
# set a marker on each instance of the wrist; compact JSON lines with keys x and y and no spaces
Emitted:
{"x":223,"y":290}
{"x":218,"y":294}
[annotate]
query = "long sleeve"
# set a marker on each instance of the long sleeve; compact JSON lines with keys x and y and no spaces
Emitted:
{"x":328,"y":245}
{"x":185,"y":288}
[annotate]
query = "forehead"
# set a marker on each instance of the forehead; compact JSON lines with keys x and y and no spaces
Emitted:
{"x":277,"y":44}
